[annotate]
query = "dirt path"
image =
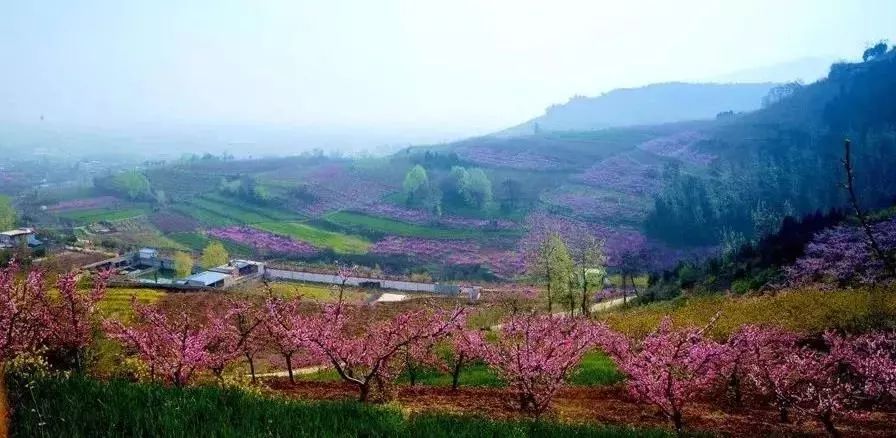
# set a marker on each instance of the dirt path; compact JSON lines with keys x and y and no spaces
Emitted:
{"x":295,"y":372}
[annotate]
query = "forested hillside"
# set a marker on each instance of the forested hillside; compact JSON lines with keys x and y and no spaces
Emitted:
{"x":785,"y":159}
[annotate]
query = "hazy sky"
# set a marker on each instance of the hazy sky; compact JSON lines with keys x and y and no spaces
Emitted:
{"x":405,"y":67}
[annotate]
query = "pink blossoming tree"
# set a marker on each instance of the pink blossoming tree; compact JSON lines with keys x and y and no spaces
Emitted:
{"x":671,"y":368}
{"x":71,"y":316}
{"x":370,"y":357}
{"x":536,"y":353}
{"x":759,"y":358}
{"x":23,"y":317}
{"x":173,"y":344}
{"x":287,"y":330}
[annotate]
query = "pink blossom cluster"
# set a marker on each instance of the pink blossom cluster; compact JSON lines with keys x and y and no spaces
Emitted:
{"x":262,"y":241}
{"x":513,"y":159}
{"x":679,"y":145}
{"x":841,"y":255}
{"x":422,"y":217}
{"x":622,"y":173}
{"x":84,"y":203}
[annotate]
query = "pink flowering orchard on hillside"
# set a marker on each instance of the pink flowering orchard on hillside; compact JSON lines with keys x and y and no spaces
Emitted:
{"x":841,"y":256}
{"x":263,"y":241}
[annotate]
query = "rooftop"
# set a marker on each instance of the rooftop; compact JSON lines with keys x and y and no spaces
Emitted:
{"x":207,"y":277}
{"x":18,"y":232}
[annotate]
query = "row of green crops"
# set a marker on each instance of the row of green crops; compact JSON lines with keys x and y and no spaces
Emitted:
{"x":79,"y":407}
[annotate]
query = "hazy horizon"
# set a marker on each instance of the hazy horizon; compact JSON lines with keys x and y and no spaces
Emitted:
{"x":361,"y":74}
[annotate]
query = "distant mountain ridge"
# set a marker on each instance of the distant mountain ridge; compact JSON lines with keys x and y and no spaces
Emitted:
{"x":649,"y":105}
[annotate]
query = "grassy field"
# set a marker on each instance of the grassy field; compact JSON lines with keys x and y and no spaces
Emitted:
{"x":362,"y":222}
{"x":805,"y":311}
{"x":102,"y":214}
{"x":310,"y":291}
{"x":338,"y":242}
{"x":78,"y":407}
{"x":117,"y":302}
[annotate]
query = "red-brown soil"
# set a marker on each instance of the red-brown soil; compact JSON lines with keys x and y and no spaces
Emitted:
{"x":604,"y":405}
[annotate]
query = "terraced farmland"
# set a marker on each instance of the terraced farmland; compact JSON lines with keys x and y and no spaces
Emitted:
{"x":218,"y":211}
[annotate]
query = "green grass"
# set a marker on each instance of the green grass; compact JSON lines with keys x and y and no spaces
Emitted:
{"x":338,"y":242}
{"x":79,"y":407}
{"x":198,"y":242}
{"x":596,"y":369}
{"x":474,"y":374}
{"x":102,"y":214}
{"x":315,"y":292}
{"x":362,"y":222}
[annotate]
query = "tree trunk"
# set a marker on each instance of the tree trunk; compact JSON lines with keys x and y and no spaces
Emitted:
{"x":734,"y":386}
{"x":783,"y":413}
{"x":251,"y":367}
{"x":828,"y":423}
{"x":289,"y":367}
{"x":585,"y":308}
{"x":364,"y":392}
{"x":679,"y":424}
{"x":455,"y":374}
{"x":550,"y":298}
